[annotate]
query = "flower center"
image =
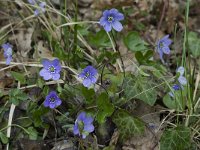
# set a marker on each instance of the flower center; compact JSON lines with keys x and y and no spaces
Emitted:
{"x":161,"y":45}
{"x":52,"y":99}
{"x":87,"y":74}
{"x":80,"y":126}
{"x":52,"y":69}
{"x":110,"y":18}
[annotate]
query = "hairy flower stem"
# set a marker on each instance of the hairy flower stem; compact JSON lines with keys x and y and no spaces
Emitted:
{"x":120,"y":56}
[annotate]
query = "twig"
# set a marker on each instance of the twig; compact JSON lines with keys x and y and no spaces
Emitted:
{"x":166,"y":2}
{"x":34,"y":64}
{"x":10,"y":118}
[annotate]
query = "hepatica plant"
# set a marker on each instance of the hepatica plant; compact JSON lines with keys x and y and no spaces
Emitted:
{"x":52,"y":100}
{"x":110,"y":19}
{"x":89,"y":76}
{"x":51,"y":69}
{"x":7,"y":52}
{"x":162,"y":46}
{"x":83,"y":125}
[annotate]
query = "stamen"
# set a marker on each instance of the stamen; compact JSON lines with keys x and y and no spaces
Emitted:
{"x":110,"y":18}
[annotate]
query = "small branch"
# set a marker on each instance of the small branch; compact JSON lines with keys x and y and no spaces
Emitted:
{"x":32,"y":64}
{"x":166,"y":3}
{"x":10,"y":118}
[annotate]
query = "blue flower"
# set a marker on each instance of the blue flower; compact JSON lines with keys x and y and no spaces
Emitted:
{"x":41,"y":6}
{"x":32,"y":2}
{"x":175,"y":87}
{"x":162,"y":46}
{"x":83,"y":125}
{"x":89,"y":76}
{"x":181,"y":79}
{"x":41,"y":9}
{"x":111,"y":19}
{"x":52,"y":100}
{"x":51,"y":69}
{"x":7,"y":52}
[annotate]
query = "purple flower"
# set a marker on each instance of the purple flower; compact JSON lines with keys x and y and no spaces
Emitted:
{"x":162,"y":46}
{"x":51,"y":69}
{"x":83,"y":125}
{"x":41,"y":9}
{"x":175,"y":87}
{"x":7,"y":52}
{"x":181,"y":79}
{"x":52,"y":100}
{"x":32,"y":2}
{"x":89,"y":76}
{"x":111,"y":19}
{"x":41,"y":6}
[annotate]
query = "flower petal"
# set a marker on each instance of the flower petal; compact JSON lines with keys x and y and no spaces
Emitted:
{"x":84,"y":136}
{"x":88,"y":120}
{"x":58,"y":102}
{"x":55,"y":62}
{"x":36,"y":12}
{"x":75,"y":129}
{"x":81,"y":116}
{"x":56,"y":76}
{"x":46,"y":63}
{"x":119,"y":16}
{"x":45,"y":74}
{"x":182,"y":80}
{"x":166,"y":50}
{"x":117,"y":26}
{"x":89,"y":128}
{"x":87,"y":82}
{"x":106,"y":12}
{"x":103,"y":21}
{"x":181,"y":70}
{"x":108,"y":27}
{"x":171,"y":94}
{"x":161,"y":55}
{"x":113,"y":11}
{"x":46,"y":103}
{"x":8,"y":60}
{"x":52,"y":105}
{"x":93,"y":79}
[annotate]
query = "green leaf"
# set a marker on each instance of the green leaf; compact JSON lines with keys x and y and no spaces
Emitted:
{"x":100,"y":39}
{"x":134,"y":42}
{"x":88,"y":94}
{"x":140,"y":88}
{"x":59,"y":51}
{"x":16,"y":96}
{"x":18,"y":76}
{"x":25,"y":122}
{"x":175,"y":139}
{"x":127,"y":125}
{"x":194,"y":44}
{"x":111,"y":147}
{"x":3,"y":138}
{"x":37,"y":114}
{"x":33,"y":134}
{"x":105,"y":107}
{"x":176,"y":102}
